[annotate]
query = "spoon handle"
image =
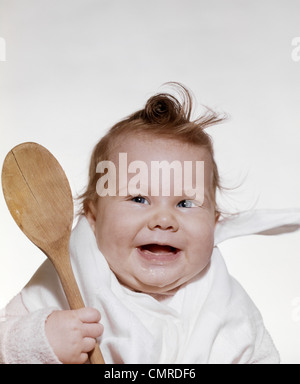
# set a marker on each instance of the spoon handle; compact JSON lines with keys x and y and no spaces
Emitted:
{"x":64,"y":270}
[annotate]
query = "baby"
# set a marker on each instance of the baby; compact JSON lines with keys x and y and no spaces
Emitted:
{"x":145,"y":257}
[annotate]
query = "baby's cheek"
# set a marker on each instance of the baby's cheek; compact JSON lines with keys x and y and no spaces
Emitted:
{"x":202,"y":243}
{"x":201,"y":228}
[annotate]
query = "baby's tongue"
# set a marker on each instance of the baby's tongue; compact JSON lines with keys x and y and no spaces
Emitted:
{"x":156,"y":248}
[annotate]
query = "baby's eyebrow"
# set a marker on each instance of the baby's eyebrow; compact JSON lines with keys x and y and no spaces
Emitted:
{"x":205,"y":199}
{"x":133,"y":190}
{"x":122,"y":191}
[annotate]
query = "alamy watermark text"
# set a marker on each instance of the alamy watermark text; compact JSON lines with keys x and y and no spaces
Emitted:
{"x":2,"y":49}
{"x":159,"y":178}
{"x":296,"y":49}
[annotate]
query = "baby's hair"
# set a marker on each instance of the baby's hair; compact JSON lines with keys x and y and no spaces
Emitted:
{"x":163,"y":116}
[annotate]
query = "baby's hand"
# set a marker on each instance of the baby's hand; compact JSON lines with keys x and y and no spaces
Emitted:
{"x":72,"y":333}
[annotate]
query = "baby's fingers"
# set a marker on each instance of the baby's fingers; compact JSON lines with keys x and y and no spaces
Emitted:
{"x":88,"y":315}
{"x":93,"y":330}
{"x":88,"y":344}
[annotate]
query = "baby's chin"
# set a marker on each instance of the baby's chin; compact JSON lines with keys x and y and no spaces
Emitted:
{"x":164,"y":291}
{"x":155,"y":286}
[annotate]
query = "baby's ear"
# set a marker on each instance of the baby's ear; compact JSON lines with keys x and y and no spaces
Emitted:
{"x":91,"y":214}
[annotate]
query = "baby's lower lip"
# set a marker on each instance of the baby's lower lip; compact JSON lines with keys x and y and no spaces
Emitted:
{"x":156,"y":254}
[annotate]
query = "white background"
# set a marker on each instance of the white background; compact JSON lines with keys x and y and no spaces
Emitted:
{"x":75,"y":67}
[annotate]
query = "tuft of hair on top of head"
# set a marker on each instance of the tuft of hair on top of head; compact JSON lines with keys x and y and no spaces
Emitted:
{"x":167,"y":109}
{"x":164,"y":108}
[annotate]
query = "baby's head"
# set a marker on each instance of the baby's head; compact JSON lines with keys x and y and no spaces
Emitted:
{"x":155,"y":238}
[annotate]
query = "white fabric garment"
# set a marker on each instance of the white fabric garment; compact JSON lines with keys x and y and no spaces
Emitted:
{"x":210,"y":319}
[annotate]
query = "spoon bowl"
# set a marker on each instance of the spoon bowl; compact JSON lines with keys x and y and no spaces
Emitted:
{"x":38,"y":195}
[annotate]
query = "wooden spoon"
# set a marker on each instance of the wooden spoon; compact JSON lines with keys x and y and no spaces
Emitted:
{"x":39,"y":198}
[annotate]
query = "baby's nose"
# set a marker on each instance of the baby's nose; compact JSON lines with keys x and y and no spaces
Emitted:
{"x":164,"y":220}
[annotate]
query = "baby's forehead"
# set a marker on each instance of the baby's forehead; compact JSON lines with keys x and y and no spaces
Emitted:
{"x":151,"y":148}
{"x":162,"y":161}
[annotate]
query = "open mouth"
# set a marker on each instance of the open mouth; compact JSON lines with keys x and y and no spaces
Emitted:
{"x":157,"y":252}
{"x":158,"y":249}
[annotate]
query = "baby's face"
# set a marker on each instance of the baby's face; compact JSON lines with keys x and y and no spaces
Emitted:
{"x":155,"y":244}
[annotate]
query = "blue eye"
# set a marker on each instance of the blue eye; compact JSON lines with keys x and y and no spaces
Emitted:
{"x":140,"y":200}
{"x":186,"y":204}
